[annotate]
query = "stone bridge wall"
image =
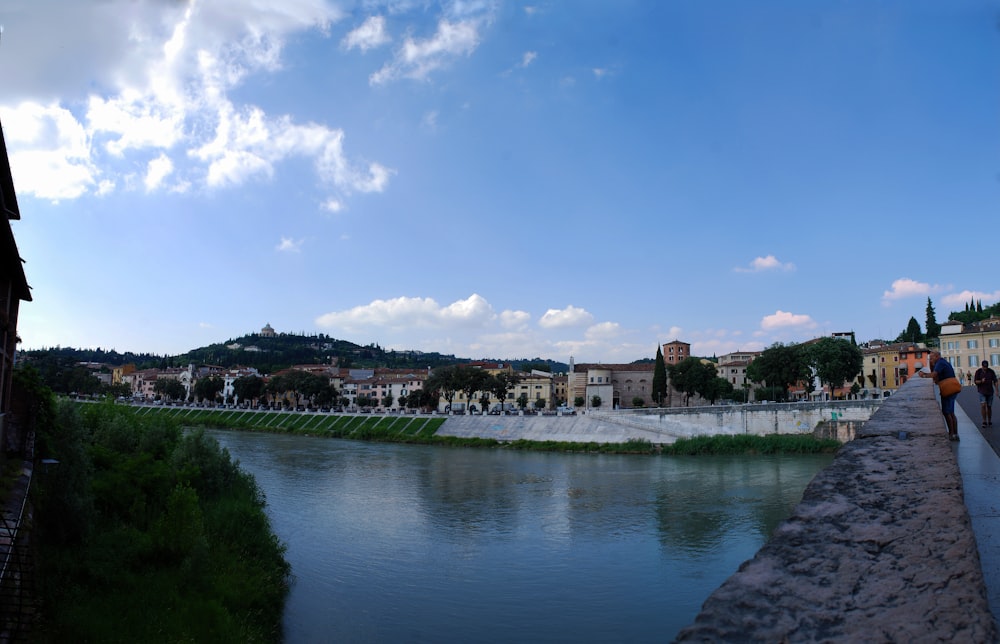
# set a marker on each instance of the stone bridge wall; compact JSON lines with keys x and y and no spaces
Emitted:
{"x":881,"y":548}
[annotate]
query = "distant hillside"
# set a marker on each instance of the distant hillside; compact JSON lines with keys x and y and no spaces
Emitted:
{"x":271,"y":354}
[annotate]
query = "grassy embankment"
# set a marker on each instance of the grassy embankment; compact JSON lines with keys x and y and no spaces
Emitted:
{"x":422,"y":430}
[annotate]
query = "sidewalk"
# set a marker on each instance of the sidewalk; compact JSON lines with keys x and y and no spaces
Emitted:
{"x":978,"y":460}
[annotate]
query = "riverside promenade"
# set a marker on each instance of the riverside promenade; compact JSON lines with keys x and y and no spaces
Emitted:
{"x":898,"y":540}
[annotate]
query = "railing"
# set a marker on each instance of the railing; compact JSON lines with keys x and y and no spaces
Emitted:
{"x":18,"y":603}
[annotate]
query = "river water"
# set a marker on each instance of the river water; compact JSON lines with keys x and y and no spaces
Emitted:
{"x":402,"y":543}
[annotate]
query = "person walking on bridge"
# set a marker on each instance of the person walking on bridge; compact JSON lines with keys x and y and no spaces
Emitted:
{"x":986,"y":384}
{"x":944,"y":377}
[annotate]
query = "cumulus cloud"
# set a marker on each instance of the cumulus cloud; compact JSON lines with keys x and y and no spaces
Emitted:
{"x":769,"y":263}
{"x":782,"y":319}
{"x":958,"y":300}
{"x":567,"y":317}
{"x":156,"y":171}
{"x":517,"y":320}
{"x":49,"y":151}
{"x":370,"y":35}
{"x":605,"y":331}
{"x":470,"y":327}
{"x":160,"y":81}
{"x":403,"y":312}
{"x":905,"y":287}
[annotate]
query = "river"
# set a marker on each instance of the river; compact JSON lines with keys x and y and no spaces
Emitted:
{"x":402,"y":543}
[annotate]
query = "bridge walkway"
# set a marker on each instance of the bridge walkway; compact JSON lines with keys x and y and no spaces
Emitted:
{"x":978,"y":454}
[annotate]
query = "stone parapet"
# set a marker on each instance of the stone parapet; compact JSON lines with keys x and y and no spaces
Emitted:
{"x":881,"y":548}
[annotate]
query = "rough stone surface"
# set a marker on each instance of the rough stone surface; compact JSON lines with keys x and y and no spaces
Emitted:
{"x":881,"y":548}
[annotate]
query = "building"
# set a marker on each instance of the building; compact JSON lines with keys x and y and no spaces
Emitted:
{"x":14,"y":287}
{"x":733,"y":368}
{"x":676,"y":351}
{"x":617,"y":385}
{"x":267,"y":331}
{"x":965,"y":346}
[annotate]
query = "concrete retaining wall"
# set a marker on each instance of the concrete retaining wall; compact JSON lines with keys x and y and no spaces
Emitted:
{"x":881,"y":548}
{"x":664,"y":426}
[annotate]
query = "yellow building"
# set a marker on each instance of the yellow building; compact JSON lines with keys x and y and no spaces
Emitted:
{"x":965,"y":346}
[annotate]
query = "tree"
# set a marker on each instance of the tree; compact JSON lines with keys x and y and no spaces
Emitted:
{"x":522,"y":401}
{"x":691,"y":376}
{"x":169,"y":388}
{"x":443,"y":382}
{"x":501,"y":384}
{"x":637,"y":401}
{"x":779,"y":366}
{"x":208,"y":388}
{"x":484,"y":401}
{"x":717,"y":388}
{"x":835,"y":361}
{"x":931,"y":325}
{"x":912,"y":332}
{"x":470,"y":380}
{"x":248,"y":388}
{"x":595,"y":401}
{"x":659,"y":378}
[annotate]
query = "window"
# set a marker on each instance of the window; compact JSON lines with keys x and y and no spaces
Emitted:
{"x":994,"y":359}
{"x":994,"y":342}
{"x":972,"y":344}
{"x":973,"y":361}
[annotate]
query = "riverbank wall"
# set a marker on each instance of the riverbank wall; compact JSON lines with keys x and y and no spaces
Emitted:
{"x":832,"y":419}
{"x":880,"y":549}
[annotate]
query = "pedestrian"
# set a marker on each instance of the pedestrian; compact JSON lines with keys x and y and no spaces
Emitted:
{"x":944,"y":376}
{"x":986,"y":384}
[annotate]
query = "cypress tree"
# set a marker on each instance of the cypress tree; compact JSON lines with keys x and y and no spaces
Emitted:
{"x":659,"y":378}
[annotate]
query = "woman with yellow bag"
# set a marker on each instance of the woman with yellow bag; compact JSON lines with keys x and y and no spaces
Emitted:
{"x":949,"y":386}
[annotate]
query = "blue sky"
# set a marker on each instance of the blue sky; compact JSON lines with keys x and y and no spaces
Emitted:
{"x":500,"y":179}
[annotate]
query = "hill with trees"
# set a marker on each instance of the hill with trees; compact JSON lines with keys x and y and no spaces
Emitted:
{"x":269,"y":354}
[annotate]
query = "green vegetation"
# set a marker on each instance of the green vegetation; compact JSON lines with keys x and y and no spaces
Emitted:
{"x":747,"y":444}
{"x":148,"y":533}
{"x":422,"y":430}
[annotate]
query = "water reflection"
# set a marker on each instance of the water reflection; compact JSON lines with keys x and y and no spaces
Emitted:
{"x":413,"y":543}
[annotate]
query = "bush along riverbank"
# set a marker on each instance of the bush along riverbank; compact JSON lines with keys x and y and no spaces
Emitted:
{"x":145,"y":532}
{"x":422,"y":430}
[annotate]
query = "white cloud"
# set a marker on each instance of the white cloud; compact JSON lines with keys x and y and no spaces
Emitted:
{"x":470,"y":328}
{"x":783,"y":319}
{"x":599,"y":72}
{"x":568,"y":317}
{"x":416,"y":59}
{"x":370,"y":35}
{"x":958,"y":300}
{"x":605,"y":331}
{"x":517,"y":320}
{"x":288,"y":245}
{"x":333,"y":205}
{"x":474,"y":310}
{"x":769,"y":263}
{"x":49,"y":151}
{"x":528,"y":58}
{"x":404,"y":312}
{"x":905,"y":287}
{"x":156,"y":171}
{"x":159,"y":81}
